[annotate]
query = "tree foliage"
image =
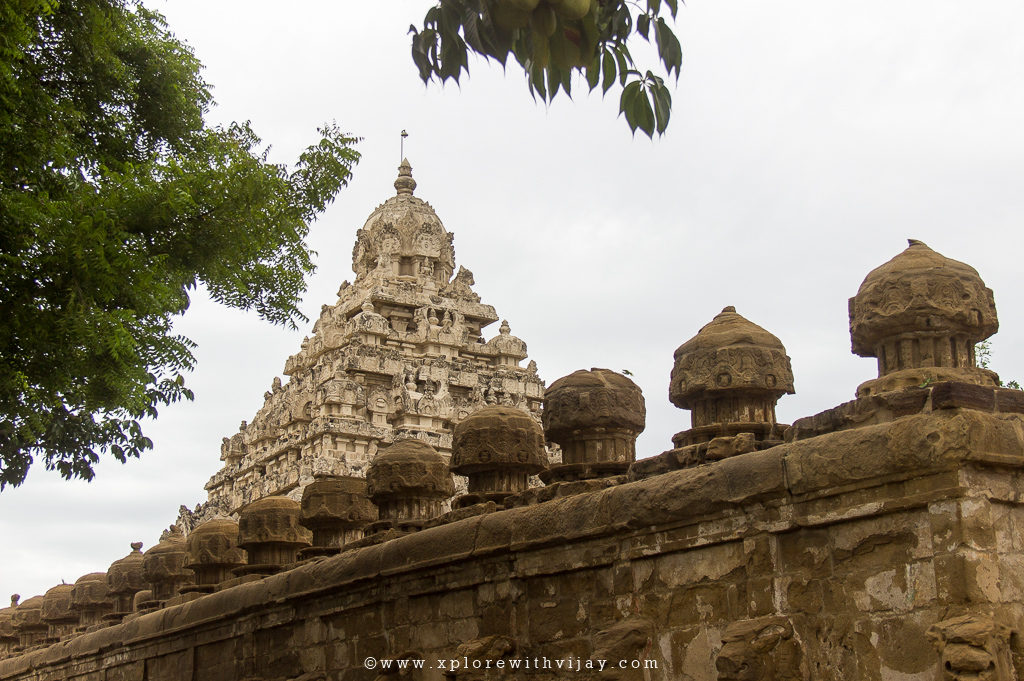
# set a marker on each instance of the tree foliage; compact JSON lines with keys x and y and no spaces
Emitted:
{"x":554,"y":39}
{"x":117,"y":201}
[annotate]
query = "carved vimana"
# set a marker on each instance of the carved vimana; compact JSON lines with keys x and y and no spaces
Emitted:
{"x":401,"y":354}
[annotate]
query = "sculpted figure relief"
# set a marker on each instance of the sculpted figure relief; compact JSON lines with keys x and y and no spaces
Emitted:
{"x":761,"y":649}
{"x":973,"y":647}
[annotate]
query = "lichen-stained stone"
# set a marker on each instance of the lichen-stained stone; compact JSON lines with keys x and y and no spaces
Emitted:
{"x":595,"y":417}
{"x":497,"y":448}
{"x":213,"y":552}
{"x":163,"y":568}
{"x":409,"y":482}
{"x":730,"y":375}
{"x":921,"y":315}
{"x":270,"y":532}
{"x":335,"y":509}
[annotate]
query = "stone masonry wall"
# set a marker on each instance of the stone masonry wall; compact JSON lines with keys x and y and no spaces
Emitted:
{"x":850,"y":555}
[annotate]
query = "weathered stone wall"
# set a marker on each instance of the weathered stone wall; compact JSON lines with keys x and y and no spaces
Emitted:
{"x":829,"y":558}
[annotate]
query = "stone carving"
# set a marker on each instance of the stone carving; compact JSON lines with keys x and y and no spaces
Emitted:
{"x":730,"y":375}
{"x":91,"y":599}
{"x":761,"y":649}
{"x":921,"y":315}
{"x":57,"y":612}
{"x":973,"y":647}
{"x":125,"y":578}
{"x":28,"y":623}
{"x":269,"y":531}
{"x":497,"y":448}
{"x":213,"y":552}
{"x":595,"y":417}
{"x":400,"y":354}
{"x":462,"y":286}
{"x":409,"y":482}
{"x":163,"y":568}
{"x":335,"y":509}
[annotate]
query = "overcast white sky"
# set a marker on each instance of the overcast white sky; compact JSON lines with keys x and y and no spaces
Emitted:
{"x":808,"y":141}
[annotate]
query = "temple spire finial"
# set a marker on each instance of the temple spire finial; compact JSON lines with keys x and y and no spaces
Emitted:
{"x":405,"y":184}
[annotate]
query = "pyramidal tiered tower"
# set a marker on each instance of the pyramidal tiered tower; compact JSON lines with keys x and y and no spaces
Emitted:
{"x":400,"y":354}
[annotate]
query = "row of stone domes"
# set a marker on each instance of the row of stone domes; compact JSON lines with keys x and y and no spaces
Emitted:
{"x":920,"y":314}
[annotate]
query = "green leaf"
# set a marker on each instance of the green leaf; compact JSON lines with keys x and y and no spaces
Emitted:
{"x":662,"y":105}
{"x":643,"y":113}
{"x":609,"y":70}
{"x":668,"y":47}
{"x":643,"y":25}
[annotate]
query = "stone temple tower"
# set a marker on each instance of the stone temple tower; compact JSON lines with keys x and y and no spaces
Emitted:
{"x":401,"y":354}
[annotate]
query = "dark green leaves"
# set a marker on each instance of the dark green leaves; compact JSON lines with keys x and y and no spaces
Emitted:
{"x":115,"y":202}
{"x":551,"y":43}
{"x":646,"y":103}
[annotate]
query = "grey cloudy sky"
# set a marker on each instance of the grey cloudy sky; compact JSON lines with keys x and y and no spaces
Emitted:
{"x":808,"y":141}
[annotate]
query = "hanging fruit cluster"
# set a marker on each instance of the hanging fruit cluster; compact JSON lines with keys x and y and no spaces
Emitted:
{"x":562,"y":33}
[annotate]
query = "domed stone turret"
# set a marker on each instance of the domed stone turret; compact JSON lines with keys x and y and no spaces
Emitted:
{"x":730,"y":375}
{"x":213,"y":552}
{"x":409,"y":482}
{"x":124,"y":580}
{"x":498,"y":448}
{"x":509,"y":349}
{"x":28,"y":623}
{"x":336,"y":509}
{"x":91,"y":599}
{"x":404,"y":237}
{"x":269,"y":531}
{"x":595,"y":417}
{"x":58,"y":613}
{"x":163,"y":567}
{"x":921,"y":314}
{"x":8,"y":635}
